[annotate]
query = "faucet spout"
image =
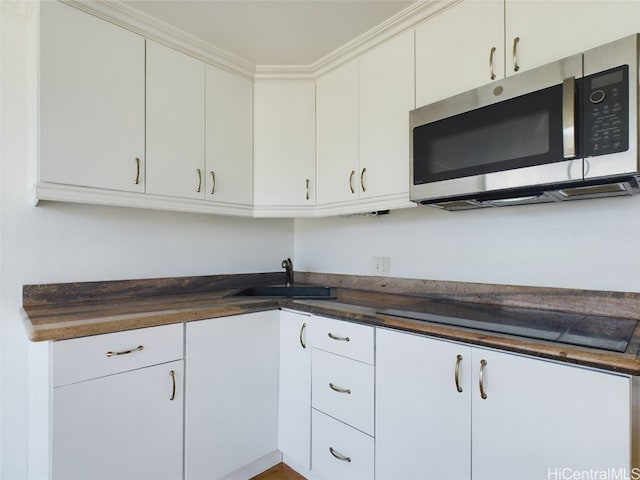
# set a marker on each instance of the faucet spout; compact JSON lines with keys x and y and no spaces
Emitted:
{"x":287,"y":264}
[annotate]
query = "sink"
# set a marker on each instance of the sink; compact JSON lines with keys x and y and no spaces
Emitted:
{"x":288,"y":292}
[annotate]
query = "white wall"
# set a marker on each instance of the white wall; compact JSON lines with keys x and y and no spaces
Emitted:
{"x":66,"y":242}
{"x":587,"y":244}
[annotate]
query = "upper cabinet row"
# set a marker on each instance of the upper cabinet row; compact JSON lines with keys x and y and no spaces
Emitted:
{"x":127,"y":121}
{"x":121,"y":113}
{"x":474,"y":43}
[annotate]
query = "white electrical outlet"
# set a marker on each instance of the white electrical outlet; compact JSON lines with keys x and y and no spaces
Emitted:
{"x":381,"y":266}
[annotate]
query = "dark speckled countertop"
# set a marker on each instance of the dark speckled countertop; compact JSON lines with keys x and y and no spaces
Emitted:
{"x":565,"y":326}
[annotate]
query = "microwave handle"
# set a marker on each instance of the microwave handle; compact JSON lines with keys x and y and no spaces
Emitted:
{"x":569,"y":118}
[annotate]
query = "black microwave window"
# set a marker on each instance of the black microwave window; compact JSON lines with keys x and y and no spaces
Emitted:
{"x":515,"y":133}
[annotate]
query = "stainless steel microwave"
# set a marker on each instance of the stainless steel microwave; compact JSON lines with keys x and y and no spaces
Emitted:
{"x":563,"y":131}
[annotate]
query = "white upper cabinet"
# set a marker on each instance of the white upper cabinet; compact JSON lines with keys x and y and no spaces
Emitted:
{"x":455,"y":49}
{"x":337,"y":147}
{"x":459,"y":49}
{"x":548,"y":31}
{"x":229,"y":137}
{"x":363,"y":117}
{"x":284,"y":147}
{"x":386,"y":98}
{"x":91,"y":101}
{"x":175,"y":123}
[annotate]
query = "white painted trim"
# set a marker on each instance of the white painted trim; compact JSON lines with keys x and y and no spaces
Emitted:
{"x":149,"y":27}
{"x":254,"y":468}
{"x":119,"y":13}
{"x":364,"y":206}
{"x":96,"y":196}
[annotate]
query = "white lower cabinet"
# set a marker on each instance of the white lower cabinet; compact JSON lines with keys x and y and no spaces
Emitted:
{"x":537,"y":419}
{"x":294,"y":393}
{"x":231,"y":413}
{"x":122,"y":417}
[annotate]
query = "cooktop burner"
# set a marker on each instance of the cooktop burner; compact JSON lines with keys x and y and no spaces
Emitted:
{"x":588,"y":331}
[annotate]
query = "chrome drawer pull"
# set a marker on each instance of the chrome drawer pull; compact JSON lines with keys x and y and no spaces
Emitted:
{"x":139,"y":348}
{"x":173,"y":391}
{"x":516,"y":67}
{"x":339,"y":456}
{"x":338,"y":389}
{"x":199,"y":173}
{"x":302,"y":330}
{"x":483,"y":395}
{"x":353,"y":190}
{"x":340,"y":339}
{"x":457,"y":373}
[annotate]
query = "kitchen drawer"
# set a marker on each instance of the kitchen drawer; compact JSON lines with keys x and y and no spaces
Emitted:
{"x":344,"y":338}
{"x":353,"y":451}
{"x":80,"y":359}
{"x":343,"y":388}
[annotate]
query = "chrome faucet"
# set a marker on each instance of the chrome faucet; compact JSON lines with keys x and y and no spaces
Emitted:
{"x":287,"y":264}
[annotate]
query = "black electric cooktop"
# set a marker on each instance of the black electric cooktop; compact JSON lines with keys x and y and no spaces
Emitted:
{"x":605,"y":333}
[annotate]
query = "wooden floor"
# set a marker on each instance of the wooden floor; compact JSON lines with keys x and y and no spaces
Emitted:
{"x":279,"y":472}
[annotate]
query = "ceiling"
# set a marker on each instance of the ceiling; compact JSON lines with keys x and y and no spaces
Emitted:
{"x":273,"y":32}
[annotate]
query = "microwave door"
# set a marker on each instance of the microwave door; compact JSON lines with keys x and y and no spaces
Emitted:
{"x":508,"y":143}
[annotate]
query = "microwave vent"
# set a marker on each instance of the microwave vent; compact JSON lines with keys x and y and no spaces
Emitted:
{"x":454,"y":205}
{"x":610,"y":189}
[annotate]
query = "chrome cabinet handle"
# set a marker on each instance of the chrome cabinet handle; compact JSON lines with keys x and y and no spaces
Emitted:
{"x":483,"y":395}
{"x":213,"y":182}
{"x":351,"y":187}
{"x":568,"y":117}
{"x":492,"y":74}
{"x":364,"y":187}
{"x":516,"y":67}
{"x":302,"y":329}
{"x":340,"y":339}
{"x":173,"y":391}
{"x":339,"y":456}
{"x":199,"y":172}
{"x":139,"y":348}
{"x":307,"y":188}
{"x":456,"y":375}
{"x":137,"y":180}
{"x":338,"y":389}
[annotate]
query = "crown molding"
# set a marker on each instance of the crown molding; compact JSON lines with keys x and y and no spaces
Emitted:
{"x":119,"y":13}
{"x":402,"y":21}
{"x":127,"y":17}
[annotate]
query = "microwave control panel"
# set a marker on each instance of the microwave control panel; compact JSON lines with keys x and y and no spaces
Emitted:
{"x":605,"y":107}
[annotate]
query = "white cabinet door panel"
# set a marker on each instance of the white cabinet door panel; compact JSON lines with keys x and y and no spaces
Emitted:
{"x":127,"y":425}
{"x":91,"y":101}
{"x":229,"y":137}
{"x":284,"y":144}
{"x":453,"y":50}
{"x":294,"y":404}
{"x":539,"y":416}
{"x":386,"y":97}
{"x":337,"y":135}
{"x":231,"y":393}
{"x":423,"y":423}
{"x":175,"y":123}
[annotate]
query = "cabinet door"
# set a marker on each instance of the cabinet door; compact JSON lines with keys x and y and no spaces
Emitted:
{"x":231,"y":415}
{"x":175,"y":123}
{"x":294,"y":405}
{"x":454,"y":50}
{"x":127,"y":425}
{"x":540,"y":417}
{"x":284,"y":144}
{"x":386,"y":97}
{"x":337,"y":135}
{"x":422,"y":419}
{"x":552,"y":30}
{"x":91,"y":101}
{"x":229,"y":137}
